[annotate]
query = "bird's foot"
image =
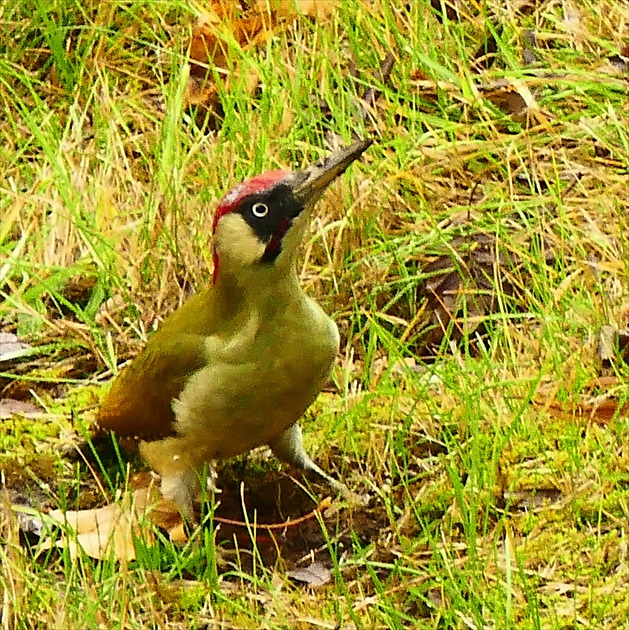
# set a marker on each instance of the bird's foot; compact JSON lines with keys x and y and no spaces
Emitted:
{"x":289,"y":447}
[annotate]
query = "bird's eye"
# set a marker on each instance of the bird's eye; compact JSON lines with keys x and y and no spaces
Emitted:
{"x":260,"y":210}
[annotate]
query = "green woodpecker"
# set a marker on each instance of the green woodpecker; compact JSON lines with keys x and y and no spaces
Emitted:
{"x":238,"y":364}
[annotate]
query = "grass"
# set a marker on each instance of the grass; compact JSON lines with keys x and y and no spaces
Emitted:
{"x":490,"y":445}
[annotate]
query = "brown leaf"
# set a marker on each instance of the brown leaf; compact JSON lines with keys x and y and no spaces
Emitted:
{"x":534,"y":498}
{"x":620,"y":62}
{"x":606,"y":343}
{"x":221,"y":24}
{"x":509,"y":101}
{"x":11,"y":346}
{"x":600,"y":410}
{"x":461,"y":287}
{"x":10,"y":407}
{"x":224,"y":22}
{"x":318,"y":9}
{"x":209,"y":46}
{"x":316,"y":575}
{"x":604,"y":410}
{"x":112,"y":530}
{"x":99,"y":533}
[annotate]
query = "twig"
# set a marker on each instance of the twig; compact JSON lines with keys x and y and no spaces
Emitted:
{"x":324,"y":505}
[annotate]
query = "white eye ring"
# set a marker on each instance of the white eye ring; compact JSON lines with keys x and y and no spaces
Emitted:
{"x":259,"y":210}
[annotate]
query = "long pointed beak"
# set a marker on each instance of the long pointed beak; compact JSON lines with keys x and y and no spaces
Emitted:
{"x":311,"y":182}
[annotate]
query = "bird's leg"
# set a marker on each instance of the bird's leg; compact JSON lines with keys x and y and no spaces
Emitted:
{"x":181,"y":487}
{"x":180,"y":481}
{"x":289,"y":447}
{"x":185,"y":486}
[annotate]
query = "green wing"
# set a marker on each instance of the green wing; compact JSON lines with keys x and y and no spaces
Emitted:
{"x":140,"y":400}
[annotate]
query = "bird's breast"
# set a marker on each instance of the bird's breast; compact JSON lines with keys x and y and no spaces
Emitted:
{"x":258,"y":380}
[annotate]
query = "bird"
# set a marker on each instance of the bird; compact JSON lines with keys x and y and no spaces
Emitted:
{"x":238,"y":364}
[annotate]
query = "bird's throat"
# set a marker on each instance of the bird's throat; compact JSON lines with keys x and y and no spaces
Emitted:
{"x":266,"y":290}
{"x":274,"y":248}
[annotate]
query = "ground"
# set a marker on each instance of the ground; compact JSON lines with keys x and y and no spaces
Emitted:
{"x":475,"y":260}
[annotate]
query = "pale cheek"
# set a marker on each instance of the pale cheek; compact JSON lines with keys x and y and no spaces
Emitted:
{"x":236,"y":243}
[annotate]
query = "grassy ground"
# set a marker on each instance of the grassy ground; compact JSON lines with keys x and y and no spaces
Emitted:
{"x":474,"y":260}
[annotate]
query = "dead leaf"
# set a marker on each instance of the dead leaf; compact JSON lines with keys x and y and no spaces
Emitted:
{"x":606,"y":343}
{"x":11,"y":346}
{"x":316,"y":575}
{"x":291,"y":9}
{"x":111,"y":531}
{"x":99,"y":533}
{"x":451,"y":9}
{"x":613,"y":344}
{"x":534,"y":498}
{"x":220,"y":24}
{"x":319,"y":9}
{"x":462,"y":288}
{"x":509,"y":101}
{"x":224,"y":23}
{"x":514,"y":98}
{"x":219,"y":27}
{"x":599,"y":409}
{"x":620,"y":63}
{"x":10,"y":407}
{"x":603,"y":410}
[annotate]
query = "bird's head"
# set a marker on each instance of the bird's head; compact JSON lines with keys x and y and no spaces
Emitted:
{"x":260,"y":223}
